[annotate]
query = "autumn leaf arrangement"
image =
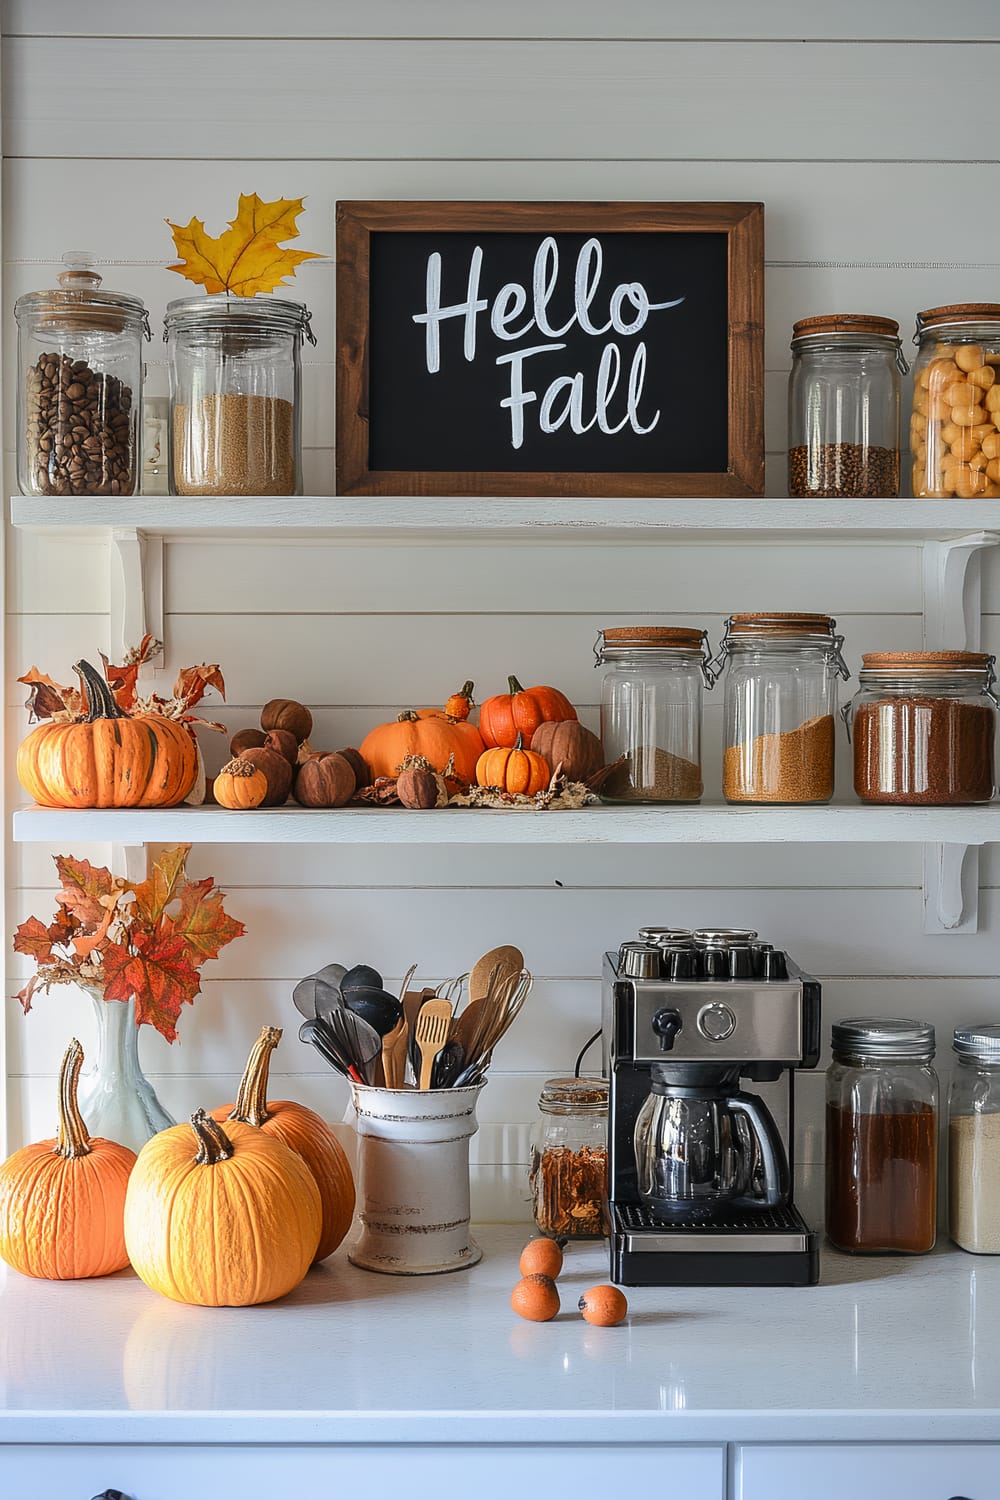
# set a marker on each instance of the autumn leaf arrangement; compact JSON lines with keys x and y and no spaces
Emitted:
{"x":247,"y":258}
{"x":148,"y":940}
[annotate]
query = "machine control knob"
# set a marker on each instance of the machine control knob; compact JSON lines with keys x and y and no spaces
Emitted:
{"x":666,"y":1024}
{"x":716,"y":1022}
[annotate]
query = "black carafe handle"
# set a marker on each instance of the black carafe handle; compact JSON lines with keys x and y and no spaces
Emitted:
{"x":772,"y":1153}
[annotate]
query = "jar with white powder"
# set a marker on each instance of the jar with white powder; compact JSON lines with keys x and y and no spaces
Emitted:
{"x":974,"y":1141}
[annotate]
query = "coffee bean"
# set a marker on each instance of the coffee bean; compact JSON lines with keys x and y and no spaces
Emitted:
{"x":78,"y":430}
{"x":841,"y":470}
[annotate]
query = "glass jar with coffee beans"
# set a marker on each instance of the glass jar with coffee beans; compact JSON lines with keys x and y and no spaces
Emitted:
{"x":955,"y":422}
{"x":843,"y":407}
{"x":80,"y":386}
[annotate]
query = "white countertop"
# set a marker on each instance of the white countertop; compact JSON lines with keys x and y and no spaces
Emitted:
{"x":889,"y":1348}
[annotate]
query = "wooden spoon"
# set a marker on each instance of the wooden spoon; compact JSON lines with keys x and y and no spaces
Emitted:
{"x":394,"y":1047}
{"x":507,"y":959}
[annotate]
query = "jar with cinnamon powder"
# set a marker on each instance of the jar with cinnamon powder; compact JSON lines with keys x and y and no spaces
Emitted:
{"x":924,"y":728}
{"x":780,"y":707}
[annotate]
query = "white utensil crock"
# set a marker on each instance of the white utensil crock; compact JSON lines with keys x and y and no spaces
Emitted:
{"x":413,"y":1179}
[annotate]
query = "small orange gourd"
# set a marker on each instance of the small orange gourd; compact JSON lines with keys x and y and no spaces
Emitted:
{"x":306,"y":1132}
{"x":520,"y":711}
{"x":221,"y":1218}
{"x":604,"y":1306}
{"x":536,"y":1298}
{"x":460,"y":704}
{"x":240,"y":784}
{"x":514,"y":770}
{"x":62,"y":1201}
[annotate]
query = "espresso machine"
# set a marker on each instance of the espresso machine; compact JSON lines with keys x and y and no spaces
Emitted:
{"x":699,"y":1167}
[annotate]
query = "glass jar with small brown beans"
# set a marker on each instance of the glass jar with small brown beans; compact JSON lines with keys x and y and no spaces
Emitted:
{"x":955,"y":422}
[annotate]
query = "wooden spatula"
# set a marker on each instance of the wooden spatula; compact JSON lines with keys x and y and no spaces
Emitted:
{"x":504,"y":961}
{"x":431,"y":1034}
{"x":394,"y":1045}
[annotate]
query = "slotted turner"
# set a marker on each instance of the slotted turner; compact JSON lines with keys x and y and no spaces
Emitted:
{"x":430,"y":1035}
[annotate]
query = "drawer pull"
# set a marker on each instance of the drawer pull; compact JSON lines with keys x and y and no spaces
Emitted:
{"x":120,"y":1495}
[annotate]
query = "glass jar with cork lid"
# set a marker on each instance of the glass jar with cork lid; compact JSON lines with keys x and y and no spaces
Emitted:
{"x":568,"y":1176}
{"x":79,"y":395}
{"x":843,"y":407}
{"x":651,"y":703}
{"x":955,"y":421}
{"x":780,"y":707}
{"x":235,"y":384}
{"x":923,"y":725}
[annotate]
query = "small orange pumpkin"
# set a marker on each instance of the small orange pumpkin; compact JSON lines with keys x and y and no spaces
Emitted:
{"x":460,"y":704}
{"x":519,"y":712}
{"x":427,"y":732}
{"x":221,"y":1218}
{"x":62,"y":1202}
{"x":240,"y":784}
{"x":304,"y":1131}
{"x":513,"y":770}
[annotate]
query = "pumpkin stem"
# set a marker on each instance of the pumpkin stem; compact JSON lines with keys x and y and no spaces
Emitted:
{"x":71,"y":1135}
{"x":100,"y":699}
{"x":408,"y":716}
{"x":251,"y":1101}
{"x":214,"y":1144}
{"x":514,"y":686}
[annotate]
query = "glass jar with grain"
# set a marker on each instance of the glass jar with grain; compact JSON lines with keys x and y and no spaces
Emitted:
{"x":569,"y":1159}
{"x":651,"y":702}
{"x":79,"y":389}
{"x":843,"y":407}
{"x":955,"y":422}
{"x":974,"y":1140}
{"x":235,"y":381}
{"x":881,"y":1137}
{"x":924,"y":728}
{"x":780,"y":707}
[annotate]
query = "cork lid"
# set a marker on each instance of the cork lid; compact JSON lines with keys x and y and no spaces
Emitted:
{"x":753,"y":625}
{"x":929,"y":662}
{"x":659,"y":637}
{"x":78,"y":304}
{"x":854,"y":325}
{"x":958,"y":312}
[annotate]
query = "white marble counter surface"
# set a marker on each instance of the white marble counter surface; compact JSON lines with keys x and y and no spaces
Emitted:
{"x":883,"y":1349}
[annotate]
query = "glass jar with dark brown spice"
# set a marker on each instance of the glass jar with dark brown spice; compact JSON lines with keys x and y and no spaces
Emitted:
{"x":569,"y":1159}
{"x":924,"y":727}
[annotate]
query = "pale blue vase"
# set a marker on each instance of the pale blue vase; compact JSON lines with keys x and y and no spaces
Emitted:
{"x":117,"y":1100}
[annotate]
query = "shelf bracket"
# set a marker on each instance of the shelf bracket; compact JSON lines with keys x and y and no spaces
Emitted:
{"x":130,"y":862}
{"x":953,"y":622}
{"x":135,"y":589}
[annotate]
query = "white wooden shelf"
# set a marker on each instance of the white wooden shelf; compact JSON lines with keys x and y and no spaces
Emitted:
{"x":706,"y":823}
{"x":555,"y":517}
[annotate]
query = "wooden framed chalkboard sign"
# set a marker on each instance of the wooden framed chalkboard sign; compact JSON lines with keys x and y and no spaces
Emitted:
{"x":550,"y":349}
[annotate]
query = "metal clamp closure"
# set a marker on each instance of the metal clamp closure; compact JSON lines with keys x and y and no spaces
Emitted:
{"x":307,"y":325}
{"x":145,"y":325}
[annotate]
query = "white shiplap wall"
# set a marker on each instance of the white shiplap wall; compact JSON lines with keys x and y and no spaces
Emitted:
{"x":880,"y":196}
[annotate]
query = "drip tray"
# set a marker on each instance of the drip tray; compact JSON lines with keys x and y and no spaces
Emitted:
{"x":761,"y":1247}
{"x":636,"y":1216}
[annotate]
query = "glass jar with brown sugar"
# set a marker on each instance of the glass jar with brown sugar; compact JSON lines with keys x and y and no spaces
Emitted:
{"x":924,"y":727}
{"x":882,"y":1137}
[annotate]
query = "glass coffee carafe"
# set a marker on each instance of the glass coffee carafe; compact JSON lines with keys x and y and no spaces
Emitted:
{"x":704,"y":1147}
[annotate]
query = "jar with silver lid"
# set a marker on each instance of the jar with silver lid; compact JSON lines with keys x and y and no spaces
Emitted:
{"x":780,"y":706}
{"x":569,"y":1159}
{"x":881,"y":1136}
{"x":651,"y":704}
{"x":235,"y":387}
{"x":974,"y":1140}
{"x":955,"y":422}
{"x":843,"y":407}
{"x":79,"y":391}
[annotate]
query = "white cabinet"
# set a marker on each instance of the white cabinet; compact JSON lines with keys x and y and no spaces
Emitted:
{"x":868,"y":1471}
{"x":490,"y":1472}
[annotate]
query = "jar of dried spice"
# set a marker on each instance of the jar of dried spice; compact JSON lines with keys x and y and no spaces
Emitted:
{"x":651,"y":701}
{"x":881,"y":1136}
{"x":955,"y":422}
{"x":79,"y":392}
{"x":235,"y":378}
{"x":974,"y":1141}
{"x":843,"y":407}
{"x":780,"y":707}
{"x":569,"y":1159}
{"x":924,"y":728}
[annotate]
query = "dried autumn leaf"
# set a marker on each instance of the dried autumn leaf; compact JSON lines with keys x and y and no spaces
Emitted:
{"x":122,"y":680}
{"x":154,"y":895}
{"x":192,"y":683}
{"x":34,"y":938}
{"x":246,"y":258}
{"x":48,"y":699}
{"x":83,"y":885}
{"x":157,"y":973}
{"x":205,"y":927}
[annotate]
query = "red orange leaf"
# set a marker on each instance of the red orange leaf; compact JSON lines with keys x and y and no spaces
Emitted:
{"x":192,"y":683}
{"x":203,"y":924}
{"x":83,"y":885}
{"x":157,"y":974}
{"x":34,"y":938}
{"x":47,"y":697}
{"x":166,"y":878}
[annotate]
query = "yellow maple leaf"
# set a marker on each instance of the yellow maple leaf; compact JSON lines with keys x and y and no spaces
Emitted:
{"x":247,"y":258}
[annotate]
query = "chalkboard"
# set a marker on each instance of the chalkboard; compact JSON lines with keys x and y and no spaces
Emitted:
{"x":532,"y":349}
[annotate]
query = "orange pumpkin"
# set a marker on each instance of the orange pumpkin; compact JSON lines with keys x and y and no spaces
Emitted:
{"x":460,"y":704}
{"x":240,"y":784}
{"x":62,"y":1201}
{"x":221,"y":1218}
{"x":504,"y":717}
{"x":427,"y":732}
{"x":108,"y":759}
{"x":306,"y":1132}
{"x":514,"y":770}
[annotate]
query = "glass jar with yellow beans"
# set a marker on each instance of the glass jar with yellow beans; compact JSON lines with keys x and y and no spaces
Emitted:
{"x":955,"y":424}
